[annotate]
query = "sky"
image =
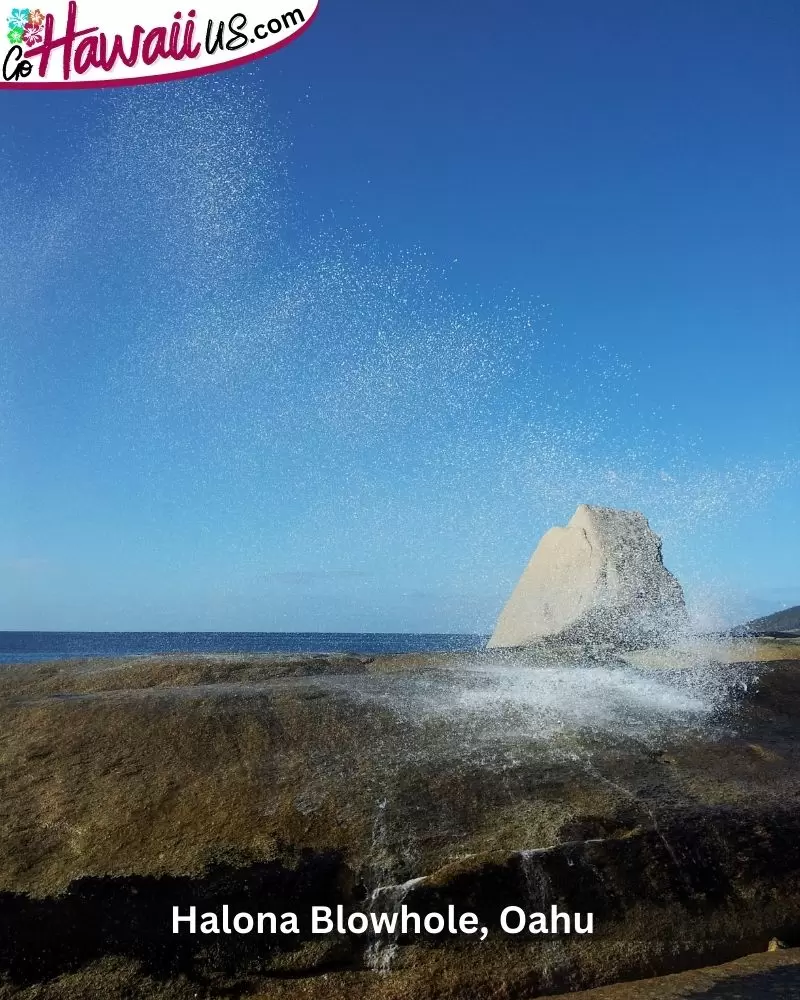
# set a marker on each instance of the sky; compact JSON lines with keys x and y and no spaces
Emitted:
{"x":327,"y":342}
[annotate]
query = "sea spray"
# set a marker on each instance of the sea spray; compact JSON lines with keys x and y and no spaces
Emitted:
{"x":383,"y":947}
{"x":502,"y":701}
{"x":286,"y":379}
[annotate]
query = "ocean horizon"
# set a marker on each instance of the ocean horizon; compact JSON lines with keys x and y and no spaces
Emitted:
{"x":34,"y":647}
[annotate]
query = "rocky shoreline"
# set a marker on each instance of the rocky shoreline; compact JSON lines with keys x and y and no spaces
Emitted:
{"x":275,"y":782}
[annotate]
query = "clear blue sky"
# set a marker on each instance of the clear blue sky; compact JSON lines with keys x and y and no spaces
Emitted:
{"x":326,"y":343}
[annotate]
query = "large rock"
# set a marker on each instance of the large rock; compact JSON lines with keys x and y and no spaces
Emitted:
{"x":279,"y":783}
{"x":599,"y":579}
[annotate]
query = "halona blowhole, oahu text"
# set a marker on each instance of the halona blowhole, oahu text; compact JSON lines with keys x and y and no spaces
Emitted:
{"x":403,"y":922}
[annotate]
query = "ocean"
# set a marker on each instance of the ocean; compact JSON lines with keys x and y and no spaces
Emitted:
{"x":31,"y":647}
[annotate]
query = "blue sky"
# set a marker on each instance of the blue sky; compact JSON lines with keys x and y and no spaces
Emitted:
{"x":327,"y":342}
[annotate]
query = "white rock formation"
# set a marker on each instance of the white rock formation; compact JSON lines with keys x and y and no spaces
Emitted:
{"x":599,"y":579}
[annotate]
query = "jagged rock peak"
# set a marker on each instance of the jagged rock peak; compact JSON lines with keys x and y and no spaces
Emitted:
{"x":599,"y":579}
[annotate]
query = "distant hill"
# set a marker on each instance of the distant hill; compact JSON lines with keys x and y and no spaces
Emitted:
{"x":787,"y":620}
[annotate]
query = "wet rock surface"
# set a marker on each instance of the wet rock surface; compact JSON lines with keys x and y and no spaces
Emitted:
{"x":662,"y":799}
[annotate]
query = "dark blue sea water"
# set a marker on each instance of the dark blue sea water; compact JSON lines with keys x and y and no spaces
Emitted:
{"x":29,"y":647}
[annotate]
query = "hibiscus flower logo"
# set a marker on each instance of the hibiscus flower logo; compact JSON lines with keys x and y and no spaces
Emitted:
{"x":19,"y":18}
{"x":33,"y":34}
{"x":25,"y":25}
